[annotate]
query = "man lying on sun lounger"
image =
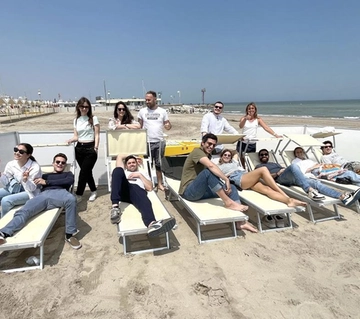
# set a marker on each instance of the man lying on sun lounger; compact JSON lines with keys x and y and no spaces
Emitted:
{"x":201,"y":179}
{"x":292,"y":175}
{"x":130,"y":185}
{"x":331,"y":157}
{"x":54,"y":194}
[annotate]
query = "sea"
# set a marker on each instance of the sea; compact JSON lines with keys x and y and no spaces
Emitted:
{"x":348,"y":109}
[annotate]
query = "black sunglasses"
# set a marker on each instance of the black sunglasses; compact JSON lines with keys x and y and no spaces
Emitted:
{"x":218,"y":107}
{"x":263,"y":154}
{"x":22,"y":152}
{"x":121,"y":109}
{"x":60,"y":162}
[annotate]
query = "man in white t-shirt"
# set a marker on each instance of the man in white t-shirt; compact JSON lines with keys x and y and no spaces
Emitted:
{"x":331,"y":157}
{"x":130,"y":185}
{"x":215,"y":123}
{"x":153,"y":118}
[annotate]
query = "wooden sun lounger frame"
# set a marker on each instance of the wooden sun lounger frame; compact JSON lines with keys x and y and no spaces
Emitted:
{"x":133,"y":142}
{"x":230,"y":216}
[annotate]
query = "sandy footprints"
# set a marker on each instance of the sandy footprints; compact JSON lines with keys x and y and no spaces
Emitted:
{"x":214,"y":296}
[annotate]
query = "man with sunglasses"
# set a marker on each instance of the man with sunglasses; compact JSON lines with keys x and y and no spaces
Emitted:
{"x":291,"y":175}
{"x":201,"y":179}
{"x":54,"y":194}
{"x":215,"y":123}
{"x":130,"y":185}
{"x":331,"y":157}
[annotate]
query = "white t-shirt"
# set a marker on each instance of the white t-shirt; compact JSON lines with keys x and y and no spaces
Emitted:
{"x":333,"y":158}
{"x":153,"y":122}
{"x":304,"y":166}
{"x":137,"y":181}
{"x":86,"y":133}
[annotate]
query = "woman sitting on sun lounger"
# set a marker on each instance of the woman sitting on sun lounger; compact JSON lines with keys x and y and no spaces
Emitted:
{"x":229,"y":165}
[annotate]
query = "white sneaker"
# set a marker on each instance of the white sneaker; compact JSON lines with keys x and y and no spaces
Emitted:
{"x":92,"y":196}
{"x":78,"y":199}
{"x":314,"y":195}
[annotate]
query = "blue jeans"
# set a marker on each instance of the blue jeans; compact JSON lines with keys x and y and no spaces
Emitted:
{"x":47,"y":199}
{"x":205,"y":185}
{"x":8,"y":200}
{"x":294,"y":176}
{"x":355,"y":178}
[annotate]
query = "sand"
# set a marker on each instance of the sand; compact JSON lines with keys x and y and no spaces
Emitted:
{"x":309,"y":272}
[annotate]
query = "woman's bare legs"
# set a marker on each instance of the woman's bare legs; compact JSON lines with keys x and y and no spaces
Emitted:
{"x":249,"y":179}
{"x":269,"y":192}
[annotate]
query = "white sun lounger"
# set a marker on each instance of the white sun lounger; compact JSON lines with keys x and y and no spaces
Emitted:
{"x":133,"y":142}
{"x":313,"y":145}
{"x":37,"y":229}
{"x":252,"y":160}
{"x":33,"y":235}
{"x":206,"y":212}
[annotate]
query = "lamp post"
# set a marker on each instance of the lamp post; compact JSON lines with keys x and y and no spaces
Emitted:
{"x":172,"y":99}
{"x":108,"y":93}
{"x":39,"y":94}
{"x":178,"y":92}
{"x":159,"y":96}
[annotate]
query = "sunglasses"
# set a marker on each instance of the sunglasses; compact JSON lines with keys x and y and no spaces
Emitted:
{"x":327,"y":146}
{"x":84,"y":107}
{"x":227,"y":155}
{"x":218,"y":107}
{"x":121,"y":109}
{"x":60,"y":162}
{"x":22,"y":152}
{"x":263,"y":154}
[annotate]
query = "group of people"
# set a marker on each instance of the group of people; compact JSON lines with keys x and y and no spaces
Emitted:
{"x":201,"y":177}
{"x":25,"y":184}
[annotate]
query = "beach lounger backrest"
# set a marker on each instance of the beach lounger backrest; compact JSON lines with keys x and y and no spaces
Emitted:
{"x":126,"y":142}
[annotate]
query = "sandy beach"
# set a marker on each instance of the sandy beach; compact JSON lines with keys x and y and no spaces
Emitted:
{"x":312,"y":271}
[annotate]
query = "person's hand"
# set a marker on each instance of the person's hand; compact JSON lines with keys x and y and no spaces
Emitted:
{"x":227,"y":187}
{"x":69,"y":141}
{"x":26,"y":175}
{"x":134,"y":175}
{"x":40,"y":181}
{"x":247,"y":117}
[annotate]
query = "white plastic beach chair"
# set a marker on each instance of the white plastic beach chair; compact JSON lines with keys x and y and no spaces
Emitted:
{"x":134,"y":142}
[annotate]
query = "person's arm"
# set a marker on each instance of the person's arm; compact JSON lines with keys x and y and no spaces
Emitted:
{"x":97,"y":136}
{"x":74,"y":138}
{"x":141,"y":122}
{"x":134,"y":125}
{"x":29,"y":176}
{"x":213,"y":168}
{"x":65,"y":180}
{"x":228,"y":128}
{"x":120,"y":160}
{"x":204,"y":128}
{"x":147,"y":183}
{"x":267,"y":128}
{"x":243,"y":120}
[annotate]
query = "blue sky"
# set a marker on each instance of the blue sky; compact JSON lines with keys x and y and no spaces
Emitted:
{"x":238,"y":50}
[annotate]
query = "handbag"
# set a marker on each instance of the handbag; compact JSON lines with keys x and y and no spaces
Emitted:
{"x":14,"y":186}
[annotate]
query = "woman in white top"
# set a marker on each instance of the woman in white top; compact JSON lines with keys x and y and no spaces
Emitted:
{"x":249,"y":124}
{"x":229,"y":165}
{"x":23,"y":169}
{"x":87,"y":136}
{"x":123,"y":119}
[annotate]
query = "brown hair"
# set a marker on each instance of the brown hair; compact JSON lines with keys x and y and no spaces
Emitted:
{"x":79,"y":104}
